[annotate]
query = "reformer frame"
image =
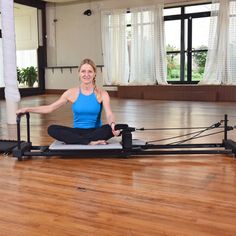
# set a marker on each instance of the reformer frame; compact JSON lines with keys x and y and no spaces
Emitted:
{"x":227,"y":146}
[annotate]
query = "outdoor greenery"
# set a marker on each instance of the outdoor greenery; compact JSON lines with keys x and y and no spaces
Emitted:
{"x":173,"y":67}
{"x":173,"y":63}
{"x":27,"y":76}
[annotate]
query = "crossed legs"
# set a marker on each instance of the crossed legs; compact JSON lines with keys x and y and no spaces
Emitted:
{"x":80,"y":136}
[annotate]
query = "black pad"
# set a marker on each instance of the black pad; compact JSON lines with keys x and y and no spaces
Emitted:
{"x":6,"y":146}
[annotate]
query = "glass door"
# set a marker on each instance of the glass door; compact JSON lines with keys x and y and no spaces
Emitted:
{"x":30,"y":32}
{"x":26,"y":31}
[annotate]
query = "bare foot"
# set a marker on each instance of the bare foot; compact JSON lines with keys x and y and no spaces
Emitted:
{"x":98,"y":142}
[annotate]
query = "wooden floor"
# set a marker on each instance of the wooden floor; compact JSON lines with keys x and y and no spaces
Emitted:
{"x":157,"y":195}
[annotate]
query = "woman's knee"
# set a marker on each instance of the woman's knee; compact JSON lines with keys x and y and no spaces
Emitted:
{"x":52,"y":129}
{"x":107,"y":131}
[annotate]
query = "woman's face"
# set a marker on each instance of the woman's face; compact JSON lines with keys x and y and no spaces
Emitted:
{"x":87,"y":74}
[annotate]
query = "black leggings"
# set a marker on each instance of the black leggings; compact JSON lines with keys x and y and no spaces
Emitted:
{"x":79,"y":136}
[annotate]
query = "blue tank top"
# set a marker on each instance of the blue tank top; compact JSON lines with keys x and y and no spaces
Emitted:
{"x":87,"y":112}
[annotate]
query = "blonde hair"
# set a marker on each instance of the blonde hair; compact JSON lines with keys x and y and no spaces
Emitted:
{"x":97,"y":91}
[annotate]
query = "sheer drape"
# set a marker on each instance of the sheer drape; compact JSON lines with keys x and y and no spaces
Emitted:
{"x":221,"y":59}
{"x":138,"y":46}
{"x":159,"y":47}
{"x":142,"y":67}
{"x":115,"y":51}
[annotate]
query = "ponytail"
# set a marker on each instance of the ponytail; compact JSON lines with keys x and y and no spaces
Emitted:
{"x":97,"y":91}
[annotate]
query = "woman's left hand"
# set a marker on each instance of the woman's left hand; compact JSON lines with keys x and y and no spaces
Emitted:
{"x":115,"y":132}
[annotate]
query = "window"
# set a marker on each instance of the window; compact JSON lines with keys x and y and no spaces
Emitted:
{"x":26,"y":31}
{"x":133,"y":48}
{"x":186,"y":34}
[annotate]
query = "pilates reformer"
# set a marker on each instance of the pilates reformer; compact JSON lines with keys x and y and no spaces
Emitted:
{"x":128,"y":146}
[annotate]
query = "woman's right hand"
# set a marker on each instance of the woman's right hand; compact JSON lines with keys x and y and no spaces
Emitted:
{"x":21,"y":111}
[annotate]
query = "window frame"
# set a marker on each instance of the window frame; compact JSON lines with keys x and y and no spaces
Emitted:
{"x":182,"y":17}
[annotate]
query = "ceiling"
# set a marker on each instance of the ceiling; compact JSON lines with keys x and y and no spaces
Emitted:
{"x":63,"y":1}
{"x":21,"y":7}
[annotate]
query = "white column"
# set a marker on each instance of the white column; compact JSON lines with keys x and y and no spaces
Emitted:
{"x":12,"y":94}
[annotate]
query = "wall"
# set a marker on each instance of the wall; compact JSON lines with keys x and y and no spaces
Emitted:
{"x":133,"y":3}
{"x":72,"y":36}
{"x":66,"y":78}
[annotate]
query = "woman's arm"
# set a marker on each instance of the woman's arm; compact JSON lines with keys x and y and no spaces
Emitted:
{"x":109,"y":114}
{"x":46,"y":108}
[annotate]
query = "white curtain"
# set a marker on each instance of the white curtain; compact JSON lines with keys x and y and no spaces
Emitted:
{"x":160,"y":47}
{"x":133,"y":46}
{"x":9,"y":51}
{"x":142,"y":68}
{"x":221,"y":59}
{"x":1,"y":66}
{"x":115,"y":51}
{"x":12,"y":93}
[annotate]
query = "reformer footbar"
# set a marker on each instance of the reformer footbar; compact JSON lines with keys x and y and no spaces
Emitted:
{"x":128,"y":146}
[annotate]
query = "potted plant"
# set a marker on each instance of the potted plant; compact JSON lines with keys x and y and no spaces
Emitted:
{"x":28,"y":75}
{"x":20,"y":79}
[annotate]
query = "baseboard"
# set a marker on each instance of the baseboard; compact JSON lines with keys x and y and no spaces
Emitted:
{"x":54,"y":91}
{"x":209,"y":93}
{"x":60,"y":91}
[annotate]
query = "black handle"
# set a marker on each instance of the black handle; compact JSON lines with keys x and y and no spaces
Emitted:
{"x":121,"y":126}
{"x":18,"y":120}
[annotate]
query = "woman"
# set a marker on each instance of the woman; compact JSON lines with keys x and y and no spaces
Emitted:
{"x":87,"y":103}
